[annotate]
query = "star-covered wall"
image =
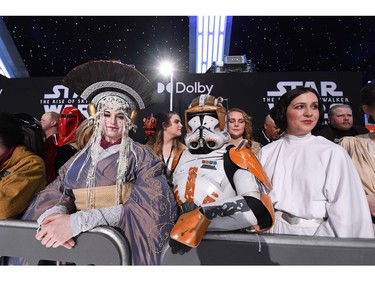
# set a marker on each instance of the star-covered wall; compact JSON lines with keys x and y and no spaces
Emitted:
{"x":319,"y":43}
{"x":52,"y":45}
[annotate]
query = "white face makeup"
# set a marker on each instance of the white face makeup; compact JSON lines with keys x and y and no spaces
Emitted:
{"x":113,"y":124}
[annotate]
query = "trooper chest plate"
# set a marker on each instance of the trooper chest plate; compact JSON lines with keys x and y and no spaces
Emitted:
{"x":201,"y":178}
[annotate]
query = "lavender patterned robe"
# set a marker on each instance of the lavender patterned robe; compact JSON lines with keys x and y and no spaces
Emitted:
{"x":147,"y":216}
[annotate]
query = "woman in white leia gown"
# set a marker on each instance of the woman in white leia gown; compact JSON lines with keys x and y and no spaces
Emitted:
{"x":316,"y":188}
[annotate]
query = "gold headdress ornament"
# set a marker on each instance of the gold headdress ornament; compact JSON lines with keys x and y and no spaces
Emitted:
{"x":95,"y":81}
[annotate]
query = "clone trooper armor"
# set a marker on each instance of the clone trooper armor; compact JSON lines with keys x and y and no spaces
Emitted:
{"x":217,"y":186}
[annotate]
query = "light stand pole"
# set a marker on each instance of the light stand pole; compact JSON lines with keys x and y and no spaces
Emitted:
{"x":166,"y":68}
{"x":171,"y":94}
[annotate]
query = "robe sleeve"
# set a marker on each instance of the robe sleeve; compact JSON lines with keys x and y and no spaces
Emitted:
{"x":52,"y":195}
{"x":347,"y":208}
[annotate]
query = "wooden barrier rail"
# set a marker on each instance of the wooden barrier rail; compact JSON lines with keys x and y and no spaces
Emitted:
{"x":100,"y":246}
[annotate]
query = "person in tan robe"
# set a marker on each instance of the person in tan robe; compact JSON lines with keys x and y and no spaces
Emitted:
{"x":361,"y":148}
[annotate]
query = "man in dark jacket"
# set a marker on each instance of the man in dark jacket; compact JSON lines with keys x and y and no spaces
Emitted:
{"x":269,"y":132}
{"x":340,"y":124}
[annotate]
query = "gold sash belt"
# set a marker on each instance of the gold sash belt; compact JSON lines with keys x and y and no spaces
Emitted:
{"x":105,"y":196}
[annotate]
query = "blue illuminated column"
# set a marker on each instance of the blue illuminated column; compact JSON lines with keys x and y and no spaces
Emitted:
{"x":11,"y":63}
{"x":3,"y":69}
{"x":209,"y":41}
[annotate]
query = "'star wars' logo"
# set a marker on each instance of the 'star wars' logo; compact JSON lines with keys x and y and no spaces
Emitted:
{"x":61,"y":97}
{"x":327,"y":90}
{"x":180,"y":88}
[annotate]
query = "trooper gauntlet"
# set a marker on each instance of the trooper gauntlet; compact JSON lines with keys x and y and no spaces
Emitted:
{"x":189,"y":229}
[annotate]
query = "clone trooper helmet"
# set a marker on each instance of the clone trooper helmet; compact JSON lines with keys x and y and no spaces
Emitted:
{"x":206,"y":125}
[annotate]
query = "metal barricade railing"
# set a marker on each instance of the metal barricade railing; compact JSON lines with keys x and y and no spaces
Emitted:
{"x":101,"y":246}
{"x":107,"y":246}
{"x":228,"y":248}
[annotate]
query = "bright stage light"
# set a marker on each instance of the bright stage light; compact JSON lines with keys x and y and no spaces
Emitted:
{"x":166,"y":68}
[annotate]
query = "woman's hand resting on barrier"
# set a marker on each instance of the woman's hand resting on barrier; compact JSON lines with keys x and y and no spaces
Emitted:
{"x":56,"y":231}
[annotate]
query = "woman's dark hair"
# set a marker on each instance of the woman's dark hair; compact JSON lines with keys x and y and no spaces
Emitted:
{"x":368,"y":95}
{"x":14,"y":131}
{"x":368,"y":98}
{"x":278,"y":112}
{"x":162,"y":121}
{"x":157,"y":140}
{"x":33,"y":134}
{"x":33,"y":139}
{"x":10,"y":130}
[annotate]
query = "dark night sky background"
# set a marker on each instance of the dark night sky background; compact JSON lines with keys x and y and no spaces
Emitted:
{"x":52,"y":45}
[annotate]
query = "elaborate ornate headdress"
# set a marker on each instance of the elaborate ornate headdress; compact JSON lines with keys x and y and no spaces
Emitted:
{"x":98,"y":81}
{"x":110,"y":84}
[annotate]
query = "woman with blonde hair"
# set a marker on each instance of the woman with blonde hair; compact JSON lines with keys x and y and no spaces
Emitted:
{"x":241,"y":128}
